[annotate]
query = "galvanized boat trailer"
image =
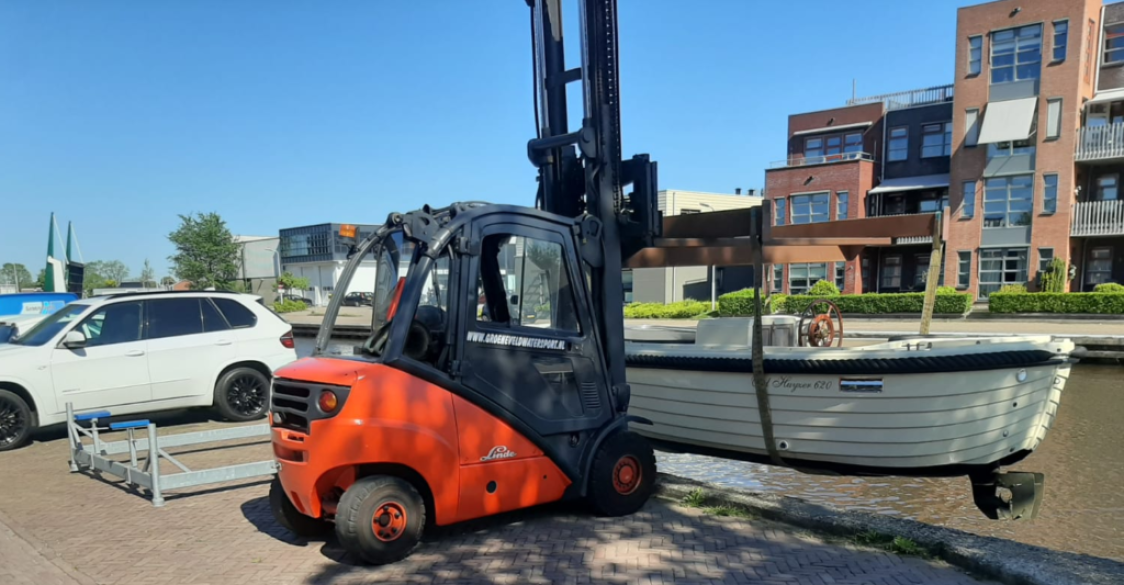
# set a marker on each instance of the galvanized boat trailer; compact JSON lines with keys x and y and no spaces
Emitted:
{"x":150,"y":447}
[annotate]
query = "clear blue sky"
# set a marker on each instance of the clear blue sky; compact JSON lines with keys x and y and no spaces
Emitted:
{"x":121,"y":115}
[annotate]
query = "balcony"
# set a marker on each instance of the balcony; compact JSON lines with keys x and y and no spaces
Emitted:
{"x":1098,"y":218}
{"x":908,"y":99}
{"x":1100,"y":143}
{"x":805,"y":161}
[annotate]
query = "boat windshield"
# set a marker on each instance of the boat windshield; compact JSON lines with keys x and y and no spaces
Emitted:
{"x":48,"y":328}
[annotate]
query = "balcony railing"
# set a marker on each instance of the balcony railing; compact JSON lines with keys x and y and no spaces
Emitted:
{"x":1100,"y":142}
{"x":1098,"y":218}
{"x":908,"y":99}
{"x":820,"y":160}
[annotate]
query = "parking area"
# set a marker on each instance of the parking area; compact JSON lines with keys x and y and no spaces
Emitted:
{"x":58,"y":527}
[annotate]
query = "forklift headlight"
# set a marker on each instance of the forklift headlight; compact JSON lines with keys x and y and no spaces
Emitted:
{"x":328,"y":401}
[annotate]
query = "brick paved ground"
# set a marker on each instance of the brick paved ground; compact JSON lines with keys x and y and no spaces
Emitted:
{"x":62,"y":528}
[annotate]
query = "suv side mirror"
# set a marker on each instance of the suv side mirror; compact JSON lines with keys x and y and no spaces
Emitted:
{"x":74,"y":340}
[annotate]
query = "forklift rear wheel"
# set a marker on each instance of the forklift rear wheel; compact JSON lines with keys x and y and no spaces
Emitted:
{"x":380,"y":518}
{"x":624,"y":473}
{"x":290,"y":518}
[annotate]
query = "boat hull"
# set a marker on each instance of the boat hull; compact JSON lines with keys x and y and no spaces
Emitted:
{"x":888,"y":419}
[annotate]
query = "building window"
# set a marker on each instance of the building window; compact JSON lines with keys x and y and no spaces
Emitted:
{"x":778,"y":277}
{"x":801,"y":277}
{"x":1107,"y":188}
{"x":1000,"y":266}
{"x":1114,"y":43}
{"x":964,"y":271}
{"x":1049,"y":193}
{"x":1045,"y":256}
{"x":1098,"y":269}
{"x":932,"y":202}
{"x":780,"y":203}
{"x":1016,"y":54}
{"x":840,"y":274}
{"x":834,"y":145}
{"x":841,"y":205}
{"x":891,"y":272}
{"x":868,"y":278}
{"x":809,"y":208}
{"x":968,"y":207}
{"x":1061,"y":39}
{"x":813,"y":148}
{"x":853,"y":142}
{"x":685,"y":211}
{"x":1008,"y":201}
{"x":1054,"y":118}
{"x":626,"y":284}
{"x":1005,"y":149}
{"x":972,"y":127}
{"x":936,"y":140}
{"x":898,"y":148}
{"x":975,"y":54}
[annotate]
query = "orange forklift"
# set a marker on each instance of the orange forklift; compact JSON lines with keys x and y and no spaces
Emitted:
{"x":493,"y":377}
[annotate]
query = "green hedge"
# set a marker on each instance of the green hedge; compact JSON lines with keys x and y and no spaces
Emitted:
{"x":1095,"y":303}
{"x":677,"y":310}
{"x":288,"y":306}
{"x":740,"y":303}
{"x":1109,"y":287}
{"x":884,"y":303}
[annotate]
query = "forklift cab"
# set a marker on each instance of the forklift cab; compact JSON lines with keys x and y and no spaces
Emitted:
{"x":483,"y":347}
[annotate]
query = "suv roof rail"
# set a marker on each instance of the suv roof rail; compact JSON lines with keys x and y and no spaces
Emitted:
{"x":166,"y":292}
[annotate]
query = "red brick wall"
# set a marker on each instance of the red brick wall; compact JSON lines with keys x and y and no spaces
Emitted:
{"x":1065,"y":80}
{"x":854,"y":177}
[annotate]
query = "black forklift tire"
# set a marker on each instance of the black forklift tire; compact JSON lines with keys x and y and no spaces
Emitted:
{"x":18,"y":421}
{"x":623,"y":474}
{"x":242,"y":394}
{"x":380,"y":519}
{"x":290,"y":518}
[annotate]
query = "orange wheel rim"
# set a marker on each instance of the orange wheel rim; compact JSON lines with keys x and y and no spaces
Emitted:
{"x":627,"y":475}
{"x":389,"y":522}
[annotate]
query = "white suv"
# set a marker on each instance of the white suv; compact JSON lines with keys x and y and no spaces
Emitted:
{"x":142,"y":352}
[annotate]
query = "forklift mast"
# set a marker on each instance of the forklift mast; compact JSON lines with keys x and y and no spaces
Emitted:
{"x":581,"y":172}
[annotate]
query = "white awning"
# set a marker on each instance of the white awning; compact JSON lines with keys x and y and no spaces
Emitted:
{"x":832,"y":128}
{"x":1008,"y":121}
{"x":1111,"y":95}
{"x":912,"y":183}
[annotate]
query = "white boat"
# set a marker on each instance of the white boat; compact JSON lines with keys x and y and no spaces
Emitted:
{"x":921,"y":406}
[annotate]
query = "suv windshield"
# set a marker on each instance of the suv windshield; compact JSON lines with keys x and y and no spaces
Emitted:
{"x":48,"y":328}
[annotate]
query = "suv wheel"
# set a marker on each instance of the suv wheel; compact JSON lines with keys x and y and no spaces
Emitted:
{"x":242,"y":394}
{"x":16,"y":421}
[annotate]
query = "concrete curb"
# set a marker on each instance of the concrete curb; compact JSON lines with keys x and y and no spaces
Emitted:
{"x":1006,"y":561}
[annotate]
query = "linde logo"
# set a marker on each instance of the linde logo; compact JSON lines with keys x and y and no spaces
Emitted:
{"x":498,"y":452}
{"x":516,"y":340}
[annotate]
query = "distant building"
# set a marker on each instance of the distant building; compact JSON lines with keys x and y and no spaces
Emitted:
{"x":319,"y":253}
{"x":667,"y":285}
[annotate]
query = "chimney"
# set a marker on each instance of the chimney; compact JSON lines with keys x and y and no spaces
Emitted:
{"x":738,"y":191}
{"x":750,"y":192}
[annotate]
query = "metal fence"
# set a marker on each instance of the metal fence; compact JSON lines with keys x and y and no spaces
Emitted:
{"x":820,"y":160}
{"x":1100,"y":142}
{"x":1098,"y":218}
{"x":908,"y":99}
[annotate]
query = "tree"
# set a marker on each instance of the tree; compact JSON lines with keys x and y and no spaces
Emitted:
{"x":41,"y":280}
{"x":15,"y":274}
{"x":168,"y":282}
{"x":148,"y":275}
{"x":292,"y":283}
{"x":206,"y":253}
{"x":115,"y":270}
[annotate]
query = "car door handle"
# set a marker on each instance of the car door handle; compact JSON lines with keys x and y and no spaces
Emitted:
{"x":223,"y":342}
{"x":134,"y":353}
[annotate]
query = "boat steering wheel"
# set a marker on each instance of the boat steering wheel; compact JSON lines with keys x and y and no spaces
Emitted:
{"x":819,"y":324}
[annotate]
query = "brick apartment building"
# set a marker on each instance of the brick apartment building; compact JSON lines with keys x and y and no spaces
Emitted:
{"x":1022,"y":153}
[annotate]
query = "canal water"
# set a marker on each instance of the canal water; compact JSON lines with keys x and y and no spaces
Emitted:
{"x":1082,"y":457}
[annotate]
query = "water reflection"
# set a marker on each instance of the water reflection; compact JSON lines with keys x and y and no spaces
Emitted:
{"x":1082,"y":457}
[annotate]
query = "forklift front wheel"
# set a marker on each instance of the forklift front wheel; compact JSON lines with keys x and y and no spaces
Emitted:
{"x":623,"y":475}
{"x":290,"y":518}
{"x":380,"y":518}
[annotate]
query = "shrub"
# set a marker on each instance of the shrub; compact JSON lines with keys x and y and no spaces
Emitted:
{"x":1109,"y":287}
{"x":1093,"y":303}
{"x":677,"y":310}
{"x":288,"y":306}
{"x":740,"y":303}
{"x":947,"y":290}
{"x":885,"y":303}
{"x":1054,"y":279}
{"x":824,"y":288}
{"x":1013,"y":288}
